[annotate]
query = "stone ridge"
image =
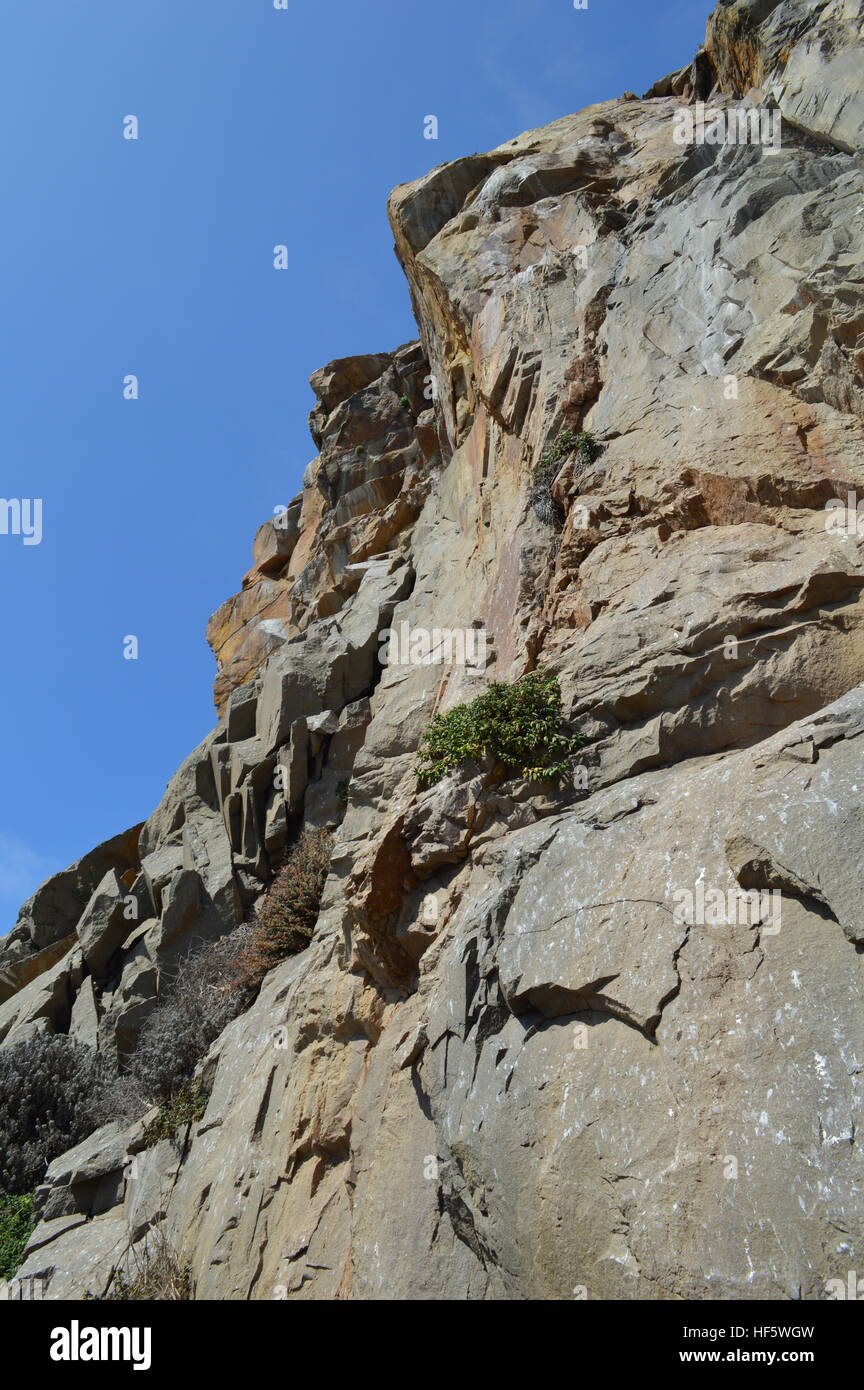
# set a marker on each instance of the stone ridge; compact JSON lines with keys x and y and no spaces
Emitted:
{"x":360,"y":498}
{"x":600,"y":1038}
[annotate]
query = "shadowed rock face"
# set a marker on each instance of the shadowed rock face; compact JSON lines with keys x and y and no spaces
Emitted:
{"x":603,"y":1036}
{"x":46,"y":923}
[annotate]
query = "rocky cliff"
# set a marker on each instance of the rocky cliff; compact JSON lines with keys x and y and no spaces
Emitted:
{"x":510,"y":1065}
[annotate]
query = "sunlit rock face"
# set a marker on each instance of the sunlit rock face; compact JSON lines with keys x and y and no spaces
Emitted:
{"x":596,"y":1038}
{"x":359,"y":501}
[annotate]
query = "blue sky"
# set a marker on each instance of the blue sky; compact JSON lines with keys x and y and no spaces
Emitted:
{"x":154,"y":257}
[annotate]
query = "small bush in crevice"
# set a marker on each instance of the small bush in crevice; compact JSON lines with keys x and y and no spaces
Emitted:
{"x":54,"y":1092}
{"x":197,"y":1002}
{"x":517,"y":725}
{"x":185,"y":1107}
{"x":586,"y":449}
{"x":17,"y":1222}
{"x":285,"y":918}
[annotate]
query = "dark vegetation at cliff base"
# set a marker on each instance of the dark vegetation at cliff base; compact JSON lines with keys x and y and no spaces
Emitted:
{"x":196,"y":1004}
{"x":220,"y":979}
{"x":16,"y":1224}
{"x":53,"y":1093}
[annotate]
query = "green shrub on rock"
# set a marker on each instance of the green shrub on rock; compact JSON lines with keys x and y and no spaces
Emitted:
{"x":519,"y":726}
{"x":16,"y":1225}
{"x":185,"y":1107}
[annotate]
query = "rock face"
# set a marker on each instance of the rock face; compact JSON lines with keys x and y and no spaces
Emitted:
{"x":360,"y":498}
{"x":599,"y":1039}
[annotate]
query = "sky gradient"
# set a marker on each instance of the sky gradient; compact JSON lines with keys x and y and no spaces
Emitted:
{"x":155,"y":257}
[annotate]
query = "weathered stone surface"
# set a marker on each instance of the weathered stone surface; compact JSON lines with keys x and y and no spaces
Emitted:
{"x":275,"y":541}
{"x":126,"y":1007}
{"x":84,"y":1017}
{"x":183,"y":905}
{"x":333,"y":664}
{"x":87,"y":1179}
{"x":292,"y":760}
{"x":52,"y":913}
{"x":805,"y":57}
{"x":102,"y":1153}
{"x":150,"y":1179}
{"x":601,"y":1035}
{"x":159,"y":869}
{"x":80,"y":1261}
{"x":48,"y":1231}
{"x":359,"y":501}
{"x":105,"y":922}
{"x":15,"y":974}
{"x":207,"y":852}
{"x":47,"y":999}
{"x":534,"y":1035}
{"x":242,"y":706}
{"x":191,"y":793}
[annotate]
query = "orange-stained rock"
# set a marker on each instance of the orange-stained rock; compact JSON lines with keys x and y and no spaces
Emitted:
{"x":359,"y":497}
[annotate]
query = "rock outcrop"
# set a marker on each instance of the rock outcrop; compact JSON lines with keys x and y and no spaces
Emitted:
{"x":596,"y":1039}
{"x":376,"y":433}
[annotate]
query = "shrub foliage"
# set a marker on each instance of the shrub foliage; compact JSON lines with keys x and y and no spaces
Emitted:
{"x":196,"y":1004}
{"x":285,"y":919}
{"x":517,"y":725}
{"x":185,"y":1107}
{"x":218,"y":980}
{"x":16,"y":1224}
{"x":53,"y":1093}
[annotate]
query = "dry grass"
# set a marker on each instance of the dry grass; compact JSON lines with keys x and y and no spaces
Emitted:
{"x":194,"y":1006}
{"x":285,"y":919}
{"x":157,"y":1275}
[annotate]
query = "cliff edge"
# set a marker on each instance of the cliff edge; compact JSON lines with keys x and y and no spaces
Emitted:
{"x":596,"y":1038}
